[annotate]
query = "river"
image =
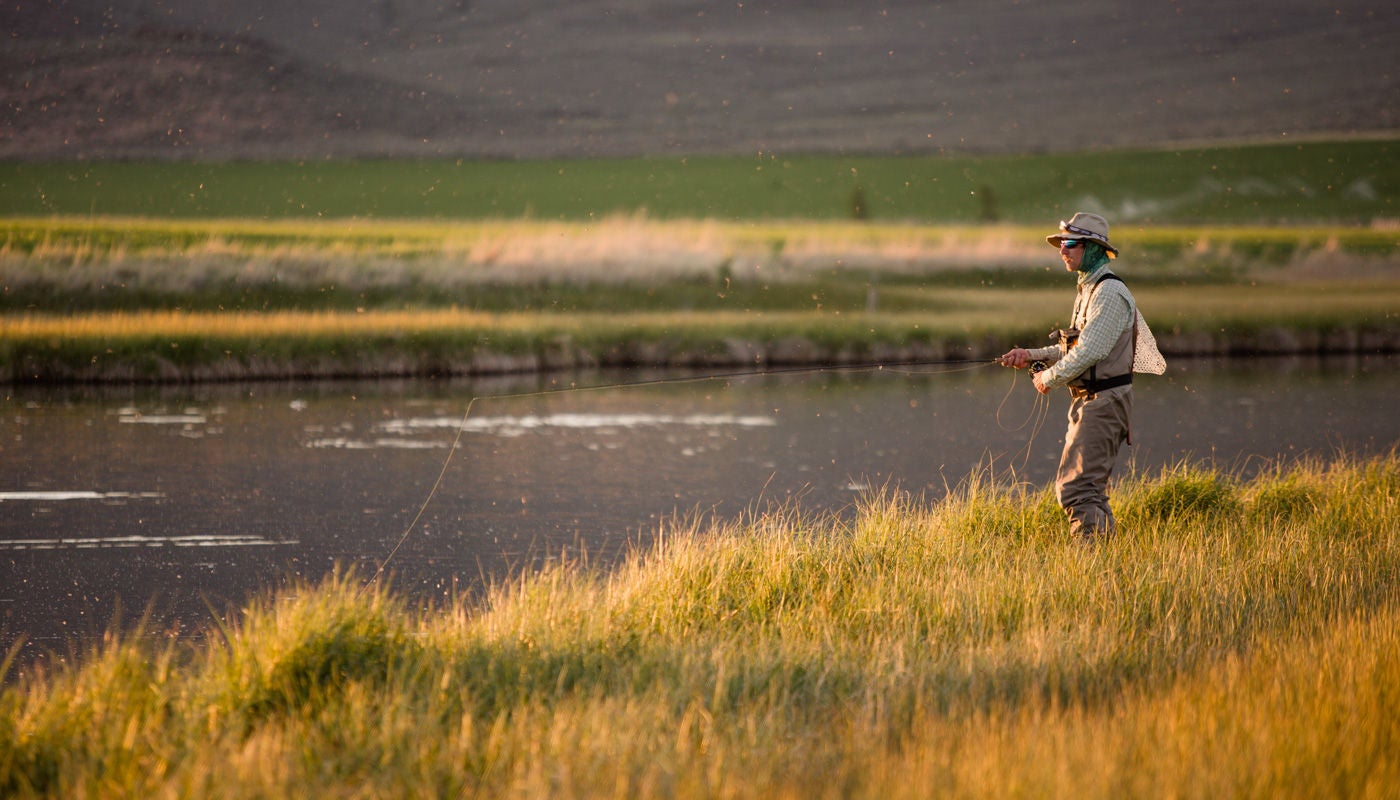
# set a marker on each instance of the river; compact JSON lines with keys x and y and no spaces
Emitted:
{"x":185,"y":501}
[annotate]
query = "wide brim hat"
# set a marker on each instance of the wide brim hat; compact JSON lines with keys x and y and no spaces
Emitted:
{"x":1084,"y":225}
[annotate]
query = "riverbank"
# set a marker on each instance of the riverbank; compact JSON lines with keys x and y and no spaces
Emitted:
{"x":1244,"y":632}
{"x":960,"y":324}
{"x":124,"y":300}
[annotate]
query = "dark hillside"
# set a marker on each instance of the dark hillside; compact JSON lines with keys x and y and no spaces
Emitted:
{"x":218,"y":79}
{"x":158,"y":93}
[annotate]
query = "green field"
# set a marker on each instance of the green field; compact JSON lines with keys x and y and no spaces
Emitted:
{"x":1350,"y":183}
{"x":1236,"y":639}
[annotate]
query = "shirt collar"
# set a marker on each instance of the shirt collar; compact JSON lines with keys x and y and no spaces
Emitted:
{"x":1092,"y":275}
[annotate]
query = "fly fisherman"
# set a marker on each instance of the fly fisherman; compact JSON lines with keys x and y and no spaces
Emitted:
{"x":1107,"y":341}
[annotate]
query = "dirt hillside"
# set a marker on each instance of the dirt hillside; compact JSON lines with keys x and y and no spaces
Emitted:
{"x":223,"y":79}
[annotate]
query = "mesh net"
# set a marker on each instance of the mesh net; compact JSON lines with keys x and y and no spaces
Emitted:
{"x":1146,"y":357}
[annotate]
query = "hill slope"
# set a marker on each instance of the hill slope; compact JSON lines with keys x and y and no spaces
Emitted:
{"x":217,"y":79}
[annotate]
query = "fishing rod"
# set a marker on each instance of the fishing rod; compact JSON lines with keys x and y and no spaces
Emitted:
{"x":894,"y":366}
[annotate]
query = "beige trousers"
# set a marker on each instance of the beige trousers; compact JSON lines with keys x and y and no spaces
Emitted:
{"x":1098,"y":426}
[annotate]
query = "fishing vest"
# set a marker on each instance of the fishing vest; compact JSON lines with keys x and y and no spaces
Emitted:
{"x":1116,"y":369}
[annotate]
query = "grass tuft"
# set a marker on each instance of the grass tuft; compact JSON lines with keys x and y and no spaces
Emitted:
{"x":1186,"y":491}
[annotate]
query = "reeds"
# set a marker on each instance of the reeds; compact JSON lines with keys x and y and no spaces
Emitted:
{"x":1236,"y":638}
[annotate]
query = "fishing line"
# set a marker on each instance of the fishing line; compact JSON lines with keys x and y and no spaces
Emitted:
{"x":960,"y":365}
{"x":1040,"y":411}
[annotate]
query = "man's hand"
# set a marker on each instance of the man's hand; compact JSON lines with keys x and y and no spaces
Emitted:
{"x":1017,"y":358}
{"x":1039,"y":385}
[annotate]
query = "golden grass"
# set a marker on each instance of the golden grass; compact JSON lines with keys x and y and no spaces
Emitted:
{"x":954,"y":310}
{"x":1236,"y":639}
{"x":621,"y":248}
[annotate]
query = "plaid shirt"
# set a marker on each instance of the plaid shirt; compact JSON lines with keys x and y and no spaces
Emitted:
{"x":1102,"y":315}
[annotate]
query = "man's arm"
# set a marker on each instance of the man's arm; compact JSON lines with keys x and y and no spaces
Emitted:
{"x":1020,"y":357}
{"x":1110,"y":314}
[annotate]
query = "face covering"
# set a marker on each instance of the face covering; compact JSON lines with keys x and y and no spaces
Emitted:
{"x":1094,"y":257}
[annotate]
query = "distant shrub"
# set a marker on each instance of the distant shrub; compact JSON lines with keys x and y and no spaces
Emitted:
{"x":988,"y":205}
{"x":859,"y":209}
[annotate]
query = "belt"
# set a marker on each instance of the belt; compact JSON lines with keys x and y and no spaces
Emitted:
{"x":1088,"y":388}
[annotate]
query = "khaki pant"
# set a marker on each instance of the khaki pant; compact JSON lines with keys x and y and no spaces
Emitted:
{"x":1098,"y":426}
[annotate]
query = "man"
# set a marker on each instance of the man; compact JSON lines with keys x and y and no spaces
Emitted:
{"x":1095,"y":359}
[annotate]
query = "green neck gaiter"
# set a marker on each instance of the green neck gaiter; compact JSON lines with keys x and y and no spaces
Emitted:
{"x":1094,"y":257}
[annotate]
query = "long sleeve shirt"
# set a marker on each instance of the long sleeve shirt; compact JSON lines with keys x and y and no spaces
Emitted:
{"x":1102,"y":314}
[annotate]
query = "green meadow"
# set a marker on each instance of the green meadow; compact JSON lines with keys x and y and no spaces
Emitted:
{"x":1312,"y":182}
{"x":1238,"y":638}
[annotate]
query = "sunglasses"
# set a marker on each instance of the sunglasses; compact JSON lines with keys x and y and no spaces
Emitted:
{"x":1070,"y":244}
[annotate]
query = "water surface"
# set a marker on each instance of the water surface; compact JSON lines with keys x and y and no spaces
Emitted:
{"x":185,"y":501}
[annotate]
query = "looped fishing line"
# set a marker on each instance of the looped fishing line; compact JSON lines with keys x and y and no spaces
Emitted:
{"x":1040,"y":411}
{"x":957,"y":366}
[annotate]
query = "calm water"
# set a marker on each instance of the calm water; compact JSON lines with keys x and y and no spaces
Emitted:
{"x":185,"y":501}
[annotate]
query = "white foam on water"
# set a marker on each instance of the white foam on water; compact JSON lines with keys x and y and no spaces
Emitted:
{"x":130,"y":415}
{"x":136,"y":541}
{"x":48,"y":497}
{"x":511,"y":425}
{"x":342,"y":443}
{"x":163,"y":419}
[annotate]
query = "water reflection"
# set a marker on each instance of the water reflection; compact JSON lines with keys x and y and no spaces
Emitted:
{"x":186,"y":500}
{"x":509,"y":426}
{"x":108,"y":542}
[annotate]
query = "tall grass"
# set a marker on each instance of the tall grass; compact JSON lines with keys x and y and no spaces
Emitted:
{"x":1236,"y":638}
